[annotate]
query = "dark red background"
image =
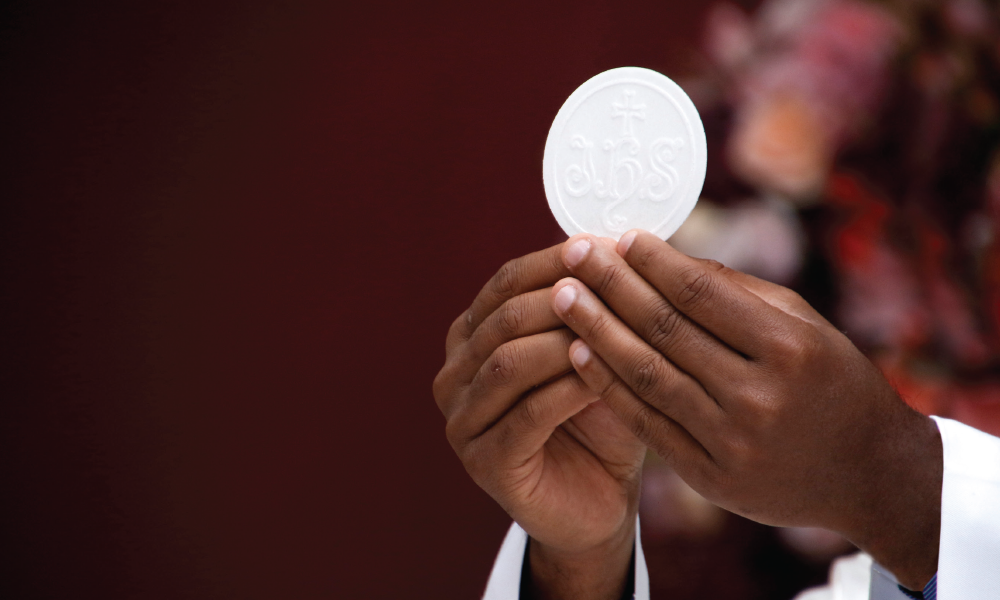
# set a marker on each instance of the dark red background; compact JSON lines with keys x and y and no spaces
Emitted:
{"x":233,"y":238}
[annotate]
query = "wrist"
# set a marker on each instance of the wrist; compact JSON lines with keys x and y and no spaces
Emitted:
{"x":600,"y":572}
{"x":900,"y":522}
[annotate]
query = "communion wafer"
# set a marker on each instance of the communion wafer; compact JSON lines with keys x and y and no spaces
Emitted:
{"x":626,"y":150}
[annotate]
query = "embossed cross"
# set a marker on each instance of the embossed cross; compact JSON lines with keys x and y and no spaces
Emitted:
{"x":628,"y":111}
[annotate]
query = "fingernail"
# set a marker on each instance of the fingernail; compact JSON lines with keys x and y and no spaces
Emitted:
{"x":576,"y":252}
{"x":581,"y":355}
{"x":626,"y":241}
{"x":565,"y":298}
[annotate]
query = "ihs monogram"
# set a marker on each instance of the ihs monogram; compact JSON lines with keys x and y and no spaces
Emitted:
{"x":625,"y":175}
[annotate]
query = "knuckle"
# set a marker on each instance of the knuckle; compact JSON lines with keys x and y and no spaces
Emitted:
{"x":763,"y":411}
{"x":715,"y":265}
{"x":788,"y":348}
{"x":758,"y":402}
{"x":667,"y":452}
{"x":532,"y":412}
{"x":770,"y":416}
{"x":696,"y":289}
{"x":645,"y":374}
{"x":510,"y":319}
{"x":797,"y":348}
{"x":456,"y":435}
{"x":458,"y":332}
{"x":439,"y":388}
{"x":611,"y":279}
{"x":504,"y":364}
{"x":735,"y":447}
{"x":505,"y":282}
{"x":458,"y":325}
{"x":647,"y":424}
{"x":753,"y":460}
{"x":503,"y":435}
{"x":641,"y":257}
{"x":600,"y":327}
{"x":609,"y":390}
{"x":790,"y":297}
{"x":743,"y":398}
{"x":664,"y":327}
{"x":472,"y":457}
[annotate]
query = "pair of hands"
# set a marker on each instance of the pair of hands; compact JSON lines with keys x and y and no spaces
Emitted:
{"x":572,"y":359}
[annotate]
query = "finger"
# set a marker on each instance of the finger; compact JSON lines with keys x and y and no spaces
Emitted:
{"x":643,"y":369}
{"x":649,"y":314}
{"x":529,"y":424}
{"x":528,"y":273}
{"x":657,"y":430}
{"x":776,"y":295}
{"x":511,"y":371}
{"x":732,"y":313}
{"x":521,"y":316}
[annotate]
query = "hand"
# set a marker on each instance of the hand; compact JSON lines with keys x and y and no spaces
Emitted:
{"x":757,"y":401}
{"x":531,"y":433}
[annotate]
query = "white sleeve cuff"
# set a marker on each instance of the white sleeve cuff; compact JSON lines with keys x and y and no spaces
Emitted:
{"x":968,"y":568}
{"x":884,"y":585}
{"x":969,"y":553}
{"x":505,"y":579}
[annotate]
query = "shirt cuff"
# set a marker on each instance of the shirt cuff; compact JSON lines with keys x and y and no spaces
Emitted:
{"x":505,"y":579}
{"x":970,"y":513}
{"x":885,"y":587}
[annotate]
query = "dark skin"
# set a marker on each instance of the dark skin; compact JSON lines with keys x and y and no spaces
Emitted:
{"x":755,"y":399}
{"x":531,"y":433}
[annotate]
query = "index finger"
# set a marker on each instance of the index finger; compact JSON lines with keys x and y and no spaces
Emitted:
{"x":731,"y":312}
{"x":525,"y":274}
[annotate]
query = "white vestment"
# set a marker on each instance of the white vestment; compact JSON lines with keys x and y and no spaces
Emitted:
{"x":968,"y":555}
